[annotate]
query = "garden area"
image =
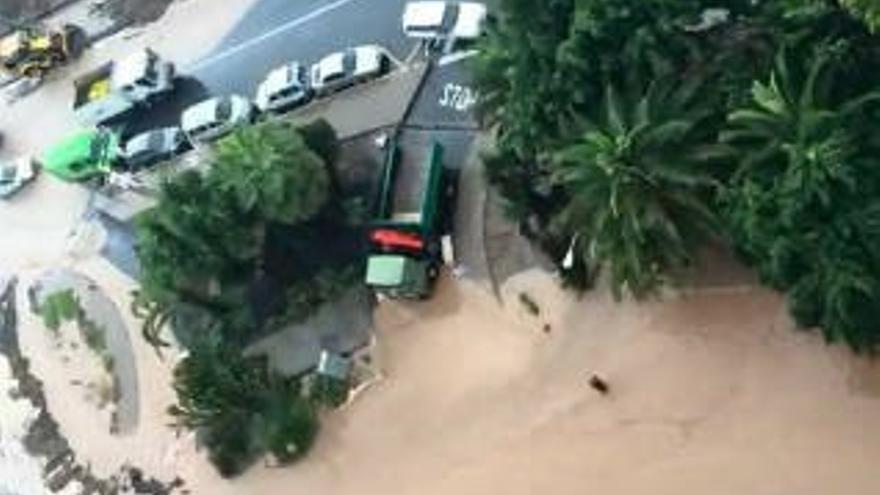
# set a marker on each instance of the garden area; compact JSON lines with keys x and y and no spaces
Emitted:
{"x":630,"y":134}
{"x":259,"y":240}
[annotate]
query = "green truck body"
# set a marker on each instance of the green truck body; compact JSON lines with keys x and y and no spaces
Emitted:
{"x":82,"y":155}
{"x":408,"y":209}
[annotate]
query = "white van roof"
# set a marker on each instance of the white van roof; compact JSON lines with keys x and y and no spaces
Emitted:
{"x":426,"y":19}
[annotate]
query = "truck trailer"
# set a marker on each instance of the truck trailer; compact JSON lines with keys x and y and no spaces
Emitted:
{"x":116,"y":88}
{"x":405,"y":236}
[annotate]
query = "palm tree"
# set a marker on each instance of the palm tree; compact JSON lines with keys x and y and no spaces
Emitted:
{"x":270,"y":170}
{"x":516,"y":74}
{"x":794,"y":131}
{"x":801,"y":204}
{"x":802,"y":154}
{"x":195,"y":248}
{"x":638,"y":183}
{"x":241,"y":407}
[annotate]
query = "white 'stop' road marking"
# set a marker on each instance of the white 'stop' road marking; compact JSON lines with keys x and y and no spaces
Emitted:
{"x":201,"y":64}
{"x":457,"y":56}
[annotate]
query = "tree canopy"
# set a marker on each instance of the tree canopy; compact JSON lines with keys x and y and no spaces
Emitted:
{"x":217,"y":237}
{"x":269,"y":170}
{"x":241,"y":408}
{"x":775,"y":151}
{"x":638,"y":186}
{"x":205,"y":243}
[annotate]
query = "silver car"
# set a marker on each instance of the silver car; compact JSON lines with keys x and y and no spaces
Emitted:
{"x":284,"y":88}
{"x":15,"y":174}
{"x":348,"y":67}
{"x":216,"y":117}
{"x":153,"y":146}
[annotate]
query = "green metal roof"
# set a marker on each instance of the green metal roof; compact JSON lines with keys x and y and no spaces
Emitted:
{"x":386,"y":270}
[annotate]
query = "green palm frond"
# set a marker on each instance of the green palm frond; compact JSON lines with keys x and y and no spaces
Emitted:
{"x":637,"y":180}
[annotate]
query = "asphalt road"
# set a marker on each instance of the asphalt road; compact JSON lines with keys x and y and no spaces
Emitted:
{"x":447,"y":99}
{"x":276,"y":31}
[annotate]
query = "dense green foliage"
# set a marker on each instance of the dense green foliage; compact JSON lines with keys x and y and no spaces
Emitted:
{"x":803,"y":205}
{"x":866,"y":10}
{"x":629,"y":131}
{"x":196,"y":247}
{"x":228,"y":254}
{"x":205,"y":243}
{"x":270,"y":171}
{"x":59,"y":307}
{"x":637,"y":184}
{"x":240,"y":408}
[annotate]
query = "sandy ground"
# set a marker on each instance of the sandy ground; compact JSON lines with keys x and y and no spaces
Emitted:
{"x":711,"y":393}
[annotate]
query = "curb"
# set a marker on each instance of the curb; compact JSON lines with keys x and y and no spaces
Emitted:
{"x":429,"y":66}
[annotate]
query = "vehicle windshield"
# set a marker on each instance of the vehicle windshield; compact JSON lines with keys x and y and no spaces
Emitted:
{"x":349,"y":61}
{"x":224,"y":109}
{"x":99,"y":146}
{"x":450,"y":17}
{"x":7,"y":173}
{"x":156,"y":141}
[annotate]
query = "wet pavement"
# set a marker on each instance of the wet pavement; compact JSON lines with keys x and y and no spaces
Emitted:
{"x":276,"y":31}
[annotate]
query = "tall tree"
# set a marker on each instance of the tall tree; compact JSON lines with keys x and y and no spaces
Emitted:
{"x":638,"y":182}
{"x":193,"y":240}
{"x":241,"y":408}
{"x":270,"y":170}
{"x":802,"y":205}
{"x":866,"y":10}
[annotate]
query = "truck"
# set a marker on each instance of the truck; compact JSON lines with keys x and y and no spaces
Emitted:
{"x":405,"y":249}
{"x":83,"y":155}
{"x":116,"y":88}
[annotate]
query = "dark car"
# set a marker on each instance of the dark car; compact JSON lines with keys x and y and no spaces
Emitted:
{"x":153,"y":147}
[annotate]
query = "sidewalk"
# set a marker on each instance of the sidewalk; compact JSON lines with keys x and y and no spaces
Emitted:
{"x":356,"y":111}
{"x":489,"y":249}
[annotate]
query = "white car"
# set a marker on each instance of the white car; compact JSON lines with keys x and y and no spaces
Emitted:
{"x":432,"y":20}
{"x":348,"y":67}
{"x":15,"y":174}
{"x":284,"y":88}
{"x":216,"y":117}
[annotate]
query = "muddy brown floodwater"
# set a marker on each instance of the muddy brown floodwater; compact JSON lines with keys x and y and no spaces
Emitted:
{"x":711,"y":394}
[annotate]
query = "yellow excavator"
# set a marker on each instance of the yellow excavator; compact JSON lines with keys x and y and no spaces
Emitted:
{"x":34,"y":51}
